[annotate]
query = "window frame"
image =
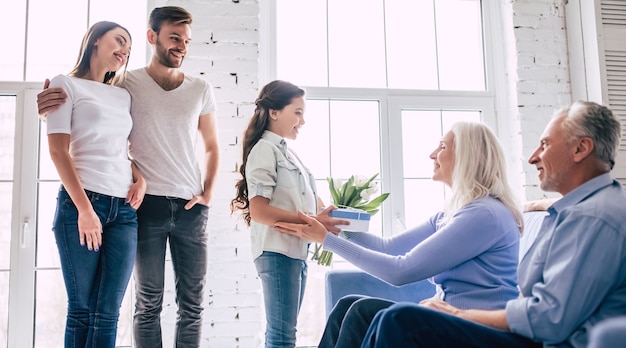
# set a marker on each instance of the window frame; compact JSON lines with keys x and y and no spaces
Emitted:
{"x":494,"y":97}
{"x":24,"y":214}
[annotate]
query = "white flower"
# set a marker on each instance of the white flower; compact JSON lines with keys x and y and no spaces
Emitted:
{"x":373,"y":187}
{"x":337,"y":183}
{"x":365,"y":195}
{"x":359,"y":180}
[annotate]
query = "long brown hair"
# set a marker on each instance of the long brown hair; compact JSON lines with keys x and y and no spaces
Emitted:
{"x":87,"y":48}
{"x":273,"y":96}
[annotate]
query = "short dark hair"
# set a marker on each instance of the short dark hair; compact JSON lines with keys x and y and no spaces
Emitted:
{"x":168,"y":14}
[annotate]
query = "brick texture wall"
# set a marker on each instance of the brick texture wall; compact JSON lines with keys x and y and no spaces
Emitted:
{"x":225,"y":51}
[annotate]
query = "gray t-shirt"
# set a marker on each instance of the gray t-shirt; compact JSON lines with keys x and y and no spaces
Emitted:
{"x":165,"y":132}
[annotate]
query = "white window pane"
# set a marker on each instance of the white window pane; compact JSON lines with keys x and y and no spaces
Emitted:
{"x":301,"y":42}
{"x":312,"y":144}
{"x":312,"y":316}
{"x":451,"y":117}
{"x":4,"y":308}
{"x":6,"y":192}
{"x":47,"y":252}
{"x":421,"y":133}
{"x":129,"y":14}
{"x":13,"y":24}
{"x":354,"y":138}
{"x":54,"y":37}
{"x":125,"y":324}
{"x":323,"y":192}
{"x":47,"y":170}
{"x":356,"y":43}
{"x":51,"y":310}
{"x":460,"y":45}
{"x":422,"y":199}
{"x":411,"y":45}
{"x":7,"y":140}
{"x":7,"y":136}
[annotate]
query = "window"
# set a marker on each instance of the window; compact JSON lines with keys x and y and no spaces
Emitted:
{"x":45,"y":41}
{"x":384,"y":79}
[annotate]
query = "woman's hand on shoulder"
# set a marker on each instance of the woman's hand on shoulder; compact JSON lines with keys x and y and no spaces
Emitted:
{"x":539,"y":204}
{"x":49,"y":99}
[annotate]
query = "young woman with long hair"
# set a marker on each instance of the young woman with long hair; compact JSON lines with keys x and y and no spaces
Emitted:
{"x":95,"y":224}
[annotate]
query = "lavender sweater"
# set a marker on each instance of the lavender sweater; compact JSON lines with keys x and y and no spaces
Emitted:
{"x":472,"y":259}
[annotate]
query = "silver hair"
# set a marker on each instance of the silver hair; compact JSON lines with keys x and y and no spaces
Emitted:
{"x":589,"y":119}
{"x":479,"y":170}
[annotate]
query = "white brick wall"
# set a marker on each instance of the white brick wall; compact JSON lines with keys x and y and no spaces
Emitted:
{"x":225,"y":51}
{"x":543,"y":84}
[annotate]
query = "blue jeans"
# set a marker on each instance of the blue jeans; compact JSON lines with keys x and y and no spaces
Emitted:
{"x":283,"y":280}
{"x":161,"y":219}
{"x":95,"y":281}
{"x":408,"y":324}
{"x":349,"y":320}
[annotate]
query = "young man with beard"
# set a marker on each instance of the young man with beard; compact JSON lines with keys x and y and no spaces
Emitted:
{"x":169,"y":109}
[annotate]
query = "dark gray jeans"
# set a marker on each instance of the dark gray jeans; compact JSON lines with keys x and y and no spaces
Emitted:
{"x":162,"y":219}
{"x":349,"y":320}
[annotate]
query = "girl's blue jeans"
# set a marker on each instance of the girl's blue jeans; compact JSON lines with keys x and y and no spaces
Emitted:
{"x":283,"y":280}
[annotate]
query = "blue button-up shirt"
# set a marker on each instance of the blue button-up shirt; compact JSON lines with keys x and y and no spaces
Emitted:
{"x":574,"y":274}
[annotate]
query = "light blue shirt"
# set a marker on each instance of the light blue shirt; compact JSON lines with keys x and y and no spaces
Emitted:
{"x":472,"y":259}
{"x":275,"y":172}
{"x":574,"y":275}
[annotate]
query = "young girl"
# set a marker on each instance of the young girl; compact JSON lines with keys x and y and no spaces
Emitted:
{"x":275,"y":185}
{"x":95,"y":224}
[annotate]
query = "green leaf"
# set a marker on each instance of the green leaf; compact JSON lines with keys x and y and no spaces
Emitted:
{"x":355,"y":199}
{"x":372,"y":206}
{"x":334,"y":195}
{"x":348,"y":193}
{"x":378,"y":200}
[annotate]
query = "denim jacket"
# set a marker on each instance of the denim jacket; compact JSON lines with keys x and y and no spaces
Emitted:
{"x":275,"y":172}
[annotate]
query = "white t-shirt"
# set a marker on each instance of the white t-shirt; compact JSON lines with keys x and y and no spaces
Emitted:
{"x":97,"y":118}
{"x":165,"y":132}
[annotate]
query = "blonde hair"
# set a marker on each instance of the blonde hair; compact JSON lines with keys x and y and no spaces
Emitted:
{"x":479,"y":170}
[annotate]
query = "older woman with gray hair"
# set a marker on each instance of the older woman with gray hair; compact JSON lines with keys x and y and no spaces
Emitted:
{"x":469,"y":249}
